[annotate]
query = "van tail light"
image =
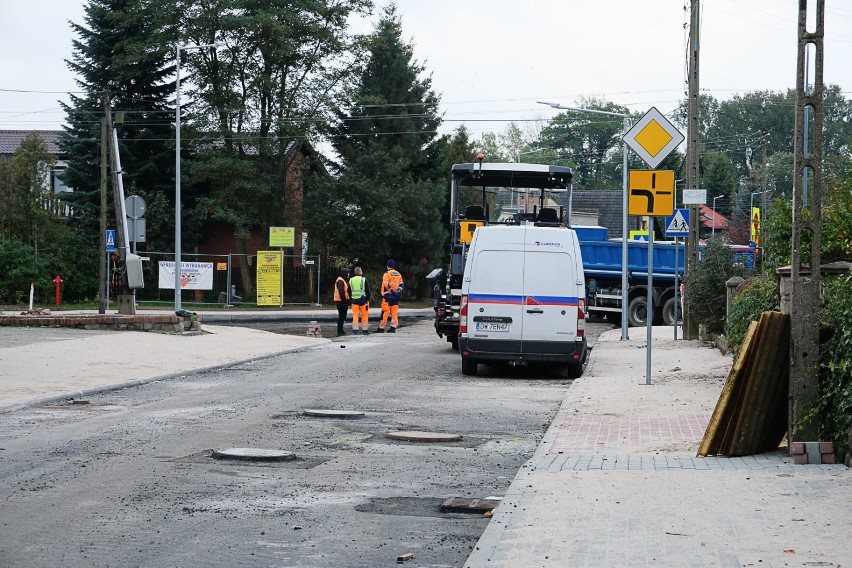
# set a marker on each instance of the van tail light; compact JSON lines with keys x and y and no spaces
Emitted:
{"x":463,"y":314}
{"x":581,"y":317}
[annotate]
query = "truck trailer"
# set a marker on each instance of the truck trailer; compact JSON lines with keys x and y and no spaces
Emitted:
{"x":602,"y":269}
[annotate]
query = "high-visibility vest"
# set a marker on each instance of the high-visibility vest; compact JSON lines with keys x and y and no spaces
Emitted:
{"x":337,"y":297}
{"x":358,"y":287}
{"x":391,"y":282}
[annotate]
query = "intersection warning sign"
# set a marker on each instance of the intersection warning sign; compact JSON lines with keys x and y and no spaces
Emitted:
{"x":651,"y":192}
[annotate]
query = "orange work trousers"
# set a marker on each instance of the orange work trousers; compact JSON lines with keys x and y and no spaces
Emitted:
{"x":393,"y":311}
{"x":360,"y":313}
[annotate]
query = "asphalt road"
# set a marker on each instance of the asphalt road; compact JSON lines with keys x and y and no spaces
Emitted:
{"x":129,"y":480}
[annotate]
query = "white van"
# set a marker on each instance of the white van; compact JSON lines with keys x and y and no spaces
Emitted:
{"x":523,"y":298}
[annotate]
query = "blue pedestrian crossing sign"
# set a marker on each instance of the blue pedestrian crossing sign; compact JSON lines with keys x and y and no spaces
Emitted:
{"x":110,"y":241}
{"x":678,"y":224}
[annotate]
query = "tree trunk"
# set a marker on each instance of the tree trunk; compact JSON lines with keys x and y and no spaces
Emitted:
{"x":245,"y":273}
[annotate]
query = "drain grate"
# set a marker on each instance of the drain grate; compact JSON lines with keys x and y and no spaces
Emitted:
{"x":472,"y":506}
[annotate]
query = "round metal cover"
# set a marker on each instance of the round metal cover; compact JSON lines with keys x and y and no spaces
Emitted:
{"x":414,"y":436}
{"x":253,"y":454}
{"x":321,"y":413}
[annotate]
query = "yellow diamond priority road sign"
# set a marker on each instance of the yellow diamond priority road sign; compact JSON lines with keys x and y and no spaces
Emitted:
{"x":653,"y":137}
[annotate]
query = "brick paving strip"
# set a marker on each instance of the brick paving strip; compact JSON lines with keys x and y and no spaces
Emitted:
{"x":610,"y":434}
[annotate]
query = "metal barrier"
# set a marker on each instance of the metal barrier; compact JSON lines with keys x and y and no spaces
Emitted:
{"x":234,"y":280}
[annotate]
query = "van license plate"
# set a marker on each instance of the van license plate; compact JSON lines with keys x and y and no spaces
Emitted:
{"x":485,"y":326}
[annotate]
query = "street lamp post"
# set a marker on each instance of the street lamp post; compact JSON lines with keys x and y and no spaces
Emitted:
{"x":626,"y":117}
{"x":177,"y":166}
{"x":751,"y":204}
{"x":714,"y":213}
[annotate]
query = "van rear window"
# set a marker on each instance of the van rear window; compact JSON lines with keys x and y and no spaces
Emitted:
{"x":497,"y":272}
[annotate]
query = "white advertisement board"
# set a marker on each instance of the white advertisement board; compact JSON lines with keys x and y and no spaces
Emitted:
{"x":194,"y":275}
{"x":694,"y":196}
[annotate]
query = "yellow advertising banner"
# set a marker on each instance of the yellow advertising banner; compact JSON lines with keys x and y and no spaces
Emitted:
{"x":270,"y":272}
{"x":755,"y":225}
{"x":284,"y":237}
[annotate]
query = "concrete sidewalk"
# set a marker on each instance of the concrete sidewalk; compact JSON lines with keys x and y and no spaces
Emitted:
{"x":45,"y":365}
{"x":49,"y":365}
{"x":615,"y":480}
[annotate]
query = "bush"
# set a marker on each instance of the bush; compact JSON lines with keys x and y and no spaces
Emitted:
{"x":20,"y":266}
{"x":834,"y":406}
{"x":704,"y":285}
{"x":754,"y":296}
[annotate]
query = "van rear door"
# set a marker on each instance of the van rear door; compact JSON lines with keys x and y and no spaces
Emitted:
{"x":495,"y":292}
{"x":550,"y":290}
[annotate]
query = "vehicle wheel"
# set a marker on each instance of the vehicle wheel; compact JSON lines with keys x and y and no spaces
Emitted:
{"x":637,"y":312}
{"x":669,"y":312}
{"x":469,"y":366}
{"x":574,"y":370}
{"x":454,"y":342}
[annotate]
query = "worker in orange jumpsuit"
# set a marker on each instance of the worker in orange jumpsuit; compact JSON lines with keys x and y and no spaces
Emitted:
{"x":391,"y":293}
{"x":359,"y":289}
{"x":342,"y":298}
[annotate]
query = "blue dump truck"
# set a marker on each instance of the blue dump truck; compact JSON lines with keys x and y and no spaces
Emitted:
{"x":602,"y":268}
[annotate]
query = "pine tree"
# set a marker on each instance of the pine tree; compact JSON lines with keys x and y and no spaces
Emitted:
{"x":126,"y":47}
{"x":392,"y":184}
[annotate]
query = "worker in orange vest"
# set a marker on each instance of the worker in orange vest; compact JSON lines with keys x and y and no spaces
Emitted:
{"x":391,"y":293}
{"x":342,"y":298}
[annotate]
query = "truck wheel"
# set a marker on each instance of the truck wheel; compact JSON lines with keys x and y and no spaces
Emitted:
{"x":637,"y":312}
{"x":469,"y":366}
{"x":454,"y":342}
{"x":669,"y":312}
{"x":574,"y":370}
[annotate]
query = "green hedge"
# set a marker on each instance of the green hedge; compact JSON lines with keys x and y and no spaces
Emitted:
{"x":834,"y":406}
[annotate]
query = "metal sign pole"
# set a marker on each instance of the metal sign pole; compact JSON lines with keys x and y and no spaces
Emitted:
{"x":677,"y":267}
{"x":649,"y":316}
{"x":281,"y":278}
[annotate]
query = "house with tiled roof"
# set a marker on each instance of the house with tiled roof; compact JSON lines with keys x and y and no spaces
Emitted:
{"x":10,"y":140}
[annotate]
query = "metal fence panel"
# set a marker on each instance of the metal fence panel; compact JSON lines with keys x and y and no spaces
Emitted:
{"x":301,"y":281}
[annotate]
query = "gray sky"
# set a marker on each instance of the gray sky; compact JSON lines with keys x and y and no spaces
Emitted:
{"x":491,"y":61}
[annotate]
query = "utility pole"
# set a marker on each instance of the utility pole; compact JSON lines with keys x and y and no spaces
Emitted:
{"x":102,"y":275}
{"x":690,"y":327}
{"x":126,"y":297}
{"x":764,"y":200}
{"x":807,"y":221}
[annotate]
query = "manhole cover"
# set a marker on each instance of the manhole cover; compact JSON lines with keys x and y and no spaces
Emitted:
{"x":253,"y":454}
{"x":414,"y":436}
{"x":320,"y":413}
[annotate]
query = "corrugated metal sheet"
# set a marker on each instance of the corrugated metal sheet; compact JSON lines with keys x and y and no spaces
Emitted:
{"x":751,"y":414}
